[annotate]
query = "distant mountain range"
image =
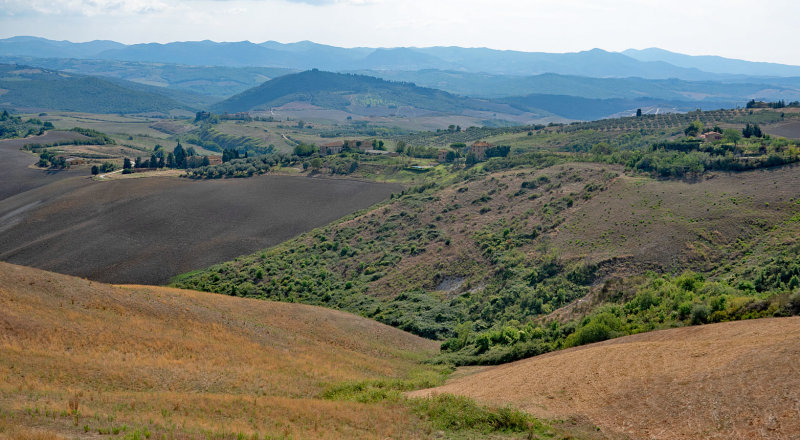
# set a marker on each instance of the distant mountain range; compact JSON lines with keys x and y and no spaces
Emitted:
{"x":505,"y":85}
{"x":597,"y":63}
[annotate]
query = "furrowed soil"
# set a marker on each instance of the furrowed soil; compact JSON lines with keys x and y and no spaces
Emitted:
{"x":736,"y":380}
{"x":146,"y":231}
{"x":790,"y":129}
{"x":81,"y":359}
{"x":16,"y":176}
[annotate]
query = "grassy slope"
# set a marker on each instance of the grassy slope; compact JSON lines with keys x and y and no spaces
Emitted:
{"x":734,"y":380}
{"x":177,"y":363}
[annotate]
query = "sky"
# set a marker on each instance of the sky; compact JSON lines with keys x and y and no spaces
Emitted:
{"x":758,"y":31}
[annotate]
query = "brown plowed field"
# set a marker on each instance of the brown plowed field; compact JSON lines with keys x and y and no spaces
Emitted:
{"x":737,"y":380}
{"x":170,"y":363}
{"x":15,"y":175}
{"x":146,"y":231}
{"x":789,"y":129}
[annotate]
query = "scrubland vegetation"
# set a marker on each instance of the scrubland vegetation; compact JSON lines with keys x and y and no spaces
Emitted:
{"x":472,"y":256}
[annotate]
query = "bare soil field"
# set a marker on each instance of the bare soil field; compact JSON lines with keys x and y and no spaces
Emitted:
{"x":16,"y":176}
{"x":81,"y":359}
{"x":736,"y":380}
{"x":146,"y":231}
{"x":790,"y":129}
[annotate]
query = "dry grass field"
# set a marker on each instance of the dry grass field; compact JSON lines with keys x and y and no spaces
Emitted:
{"x":736,"y":380}
{"x":90,"y":360}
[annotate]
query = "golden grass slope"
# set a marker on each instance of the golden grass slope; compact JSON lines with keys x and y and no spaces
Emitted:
{"x":735,"y":380}
{"x":170,"y":363}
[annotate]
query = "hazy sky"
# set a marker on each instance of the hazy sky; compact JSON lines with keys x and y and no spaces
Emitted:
{"x":719,"y":27}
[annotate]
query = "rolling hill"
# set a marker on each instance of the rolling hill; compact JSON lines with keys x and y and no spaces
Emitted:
{"x":696,"y":93}
{"x":358,"y":94}
{"x":80,"y":358}
{"x":735,"y":380}
{"x":34,"y":89}
{"x":214,"y":81}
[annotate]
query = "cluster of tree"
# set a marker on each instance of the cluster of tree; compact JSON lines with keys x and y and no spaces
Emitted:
{"x":243,"y":167}
{"x":694,"y":129}
{"x":230,"y":154}
{"x":305,"y":150}
{"x":106,"y":167}
{"x":776,"y":104}
{"x":15,"y":127}
{"x":417,"y":151}
{"x":213,"y":118}
{"x":48,"y":159}
{"x":177,"y":158}
{"x":752,"y":131}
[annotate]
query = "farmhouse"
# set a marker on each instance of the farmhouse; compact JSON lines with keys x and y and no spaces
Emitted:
{"x":711,"y":136}
{"x":331,"y":148}
{"x":479,"y":149}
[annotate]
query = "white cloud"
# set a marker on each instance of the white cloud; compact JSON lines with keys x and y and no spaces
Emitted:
{"x":88,"y":8}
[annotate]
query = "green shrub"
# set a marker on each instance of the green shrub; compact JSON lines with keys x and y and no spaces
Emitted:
{"x":699,"y":314}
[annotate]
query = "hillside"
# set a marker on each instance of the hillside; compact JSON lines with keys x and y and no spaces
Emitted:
{"x":214,"y":81}
{"x":485,"y":85}
{"x":81,"y":359}
{"x":356,"y":94}
{"x":492,"y":259}
{"x":734,"y":380}
{"x":28,"y":88}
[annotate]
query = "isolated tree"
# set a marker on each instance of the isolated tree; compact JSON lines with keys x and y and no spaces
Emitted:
{"x":95,"y":170}
{"x":316,"y":163}
{"x":126,"y":164}
{"x":731,"y":135}
{"x":638,"y":113}
{"x":471,"y":160}
{"x":179,"y":155}
{"x":694,"y":128}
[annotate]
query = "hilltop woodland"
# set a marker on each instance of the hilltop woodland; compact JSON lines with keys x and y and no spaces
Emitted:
{"x":573,"y":234}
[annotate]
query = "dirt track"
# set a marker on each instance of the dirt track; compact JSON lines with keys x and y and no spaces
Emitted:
{"x":148,"y":230}
{"x":738,"y":380}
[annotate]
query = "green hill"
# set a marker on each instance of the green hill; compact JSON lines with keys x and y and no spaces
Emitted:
{"x":357,"y":94}
{"x":30,"y":88}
